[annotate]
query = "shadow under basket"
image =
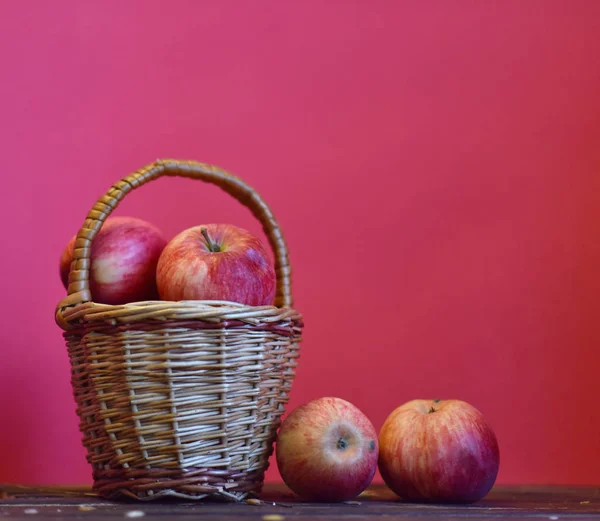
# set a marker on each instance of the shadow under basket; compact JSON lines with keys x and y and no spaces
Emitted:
{"x":181,"y":398}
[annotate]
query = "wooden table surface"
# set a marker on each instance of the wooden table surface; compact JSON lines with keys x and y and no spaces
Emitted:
{"x":503,"y":502}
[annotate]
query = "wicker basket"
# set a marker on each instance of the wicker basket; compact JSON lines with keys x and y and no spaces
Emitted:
{"x":179,"y":398}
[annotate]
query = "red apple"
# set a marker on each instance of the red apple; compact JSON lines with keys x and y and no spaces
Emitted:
{"x":438,"y":451}
{"x":326,"y":450}
{"x":216,"y":262}
{"x":124,"y":256}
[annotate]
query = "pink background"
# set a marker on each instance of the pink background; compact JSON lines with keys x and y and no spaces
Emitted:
{"x":435,"y":167}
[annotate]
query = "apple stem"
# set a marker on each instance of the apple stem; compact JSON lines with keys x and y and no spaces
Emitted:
{"x":211,"y":245}
{"x":342,"y":444}
{"x":432,"y":410}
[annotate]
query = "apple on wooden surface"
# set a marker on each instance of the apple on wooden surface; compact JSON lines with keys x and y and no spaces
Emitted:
{"x":438,"y":451}
{"x":327,"y":450}
{"x":124,"y":256}
{"x":216,"y":262}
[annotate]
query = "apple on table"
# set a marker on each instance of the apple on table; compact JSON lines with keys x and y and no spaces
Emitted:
{"x":326,"y":450}
{"x":438,"y":451}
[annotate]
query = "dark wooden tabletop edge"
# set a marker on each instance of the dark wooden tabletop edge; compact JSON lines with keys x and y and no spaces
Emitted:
{"x":530,"y":495}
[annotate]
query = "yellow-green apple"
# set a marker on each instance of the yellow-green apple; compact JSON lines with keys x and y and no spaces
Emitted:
{"x":124,"y":256}
{"x":438,"y":451}
{"x":326,"y":450}
{"x":216,"y":262}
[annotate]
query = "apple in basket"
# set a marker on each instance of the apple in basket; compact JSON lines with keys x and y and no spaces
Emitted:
{"x":327,"y":450}
{"x":440,"y":451}
{"x":216,"y":262}
{"x":124,"y":256}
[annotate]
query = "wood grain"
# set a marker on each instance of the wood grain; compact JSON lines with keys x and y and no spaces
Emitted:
{"x":504,"y":502}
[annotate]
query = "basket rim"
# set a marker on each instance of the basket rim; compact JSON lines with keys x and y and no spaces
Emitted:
{"x":163,"y":311}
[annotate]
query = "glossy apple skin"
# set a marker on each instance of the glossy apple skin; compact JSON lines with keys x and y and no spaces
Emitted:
{"x":438,"y":451}
{"x":241,"y":272}
{"x":125,"y":253}
{"x":311,"y":459}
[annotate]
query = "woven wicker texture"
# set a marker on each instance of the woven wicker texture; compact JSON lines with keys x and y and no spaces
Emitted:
{"x":179,"y":398}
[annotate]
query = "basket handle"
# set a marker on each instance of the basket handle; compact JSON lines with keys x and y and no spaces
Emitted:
{"x":79,"y":287}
